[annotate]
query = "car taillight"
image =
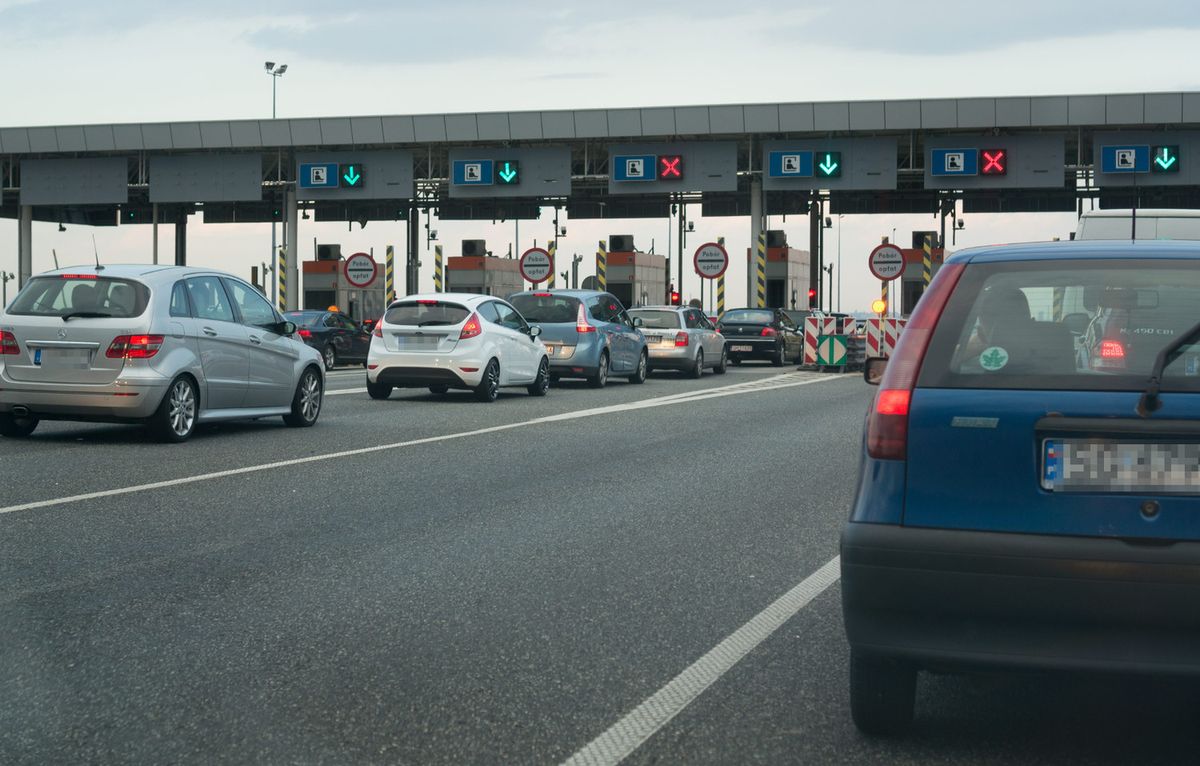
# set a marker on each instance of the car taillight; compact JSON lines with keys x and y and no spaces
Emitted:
{"x":767,"y":332}
{"x":681,"y":339}
{"x":581,"y":322}
{"x":8,"y":343}
{"x":427,"y":302}
{"x":134,"y":346}
{"x":378,"y":331}
{"x":305,"y":333}
{"x":1110,"y":356}
{"x":887,"y":425}
{"x":472,"y":328}
{"x":543,"y":295}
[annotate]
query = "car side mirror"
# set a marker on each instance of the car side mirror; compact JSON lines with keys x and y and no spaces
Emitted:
{"x":638,"y":322}
{"x":535,"y":331}
{"x":285,"y":328}
{"x":873,"y":369}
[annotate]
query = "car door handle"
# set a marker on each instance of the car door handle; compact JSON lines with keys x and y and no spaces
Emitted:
{"x":210,"y":332}
{"x":256,"y":340}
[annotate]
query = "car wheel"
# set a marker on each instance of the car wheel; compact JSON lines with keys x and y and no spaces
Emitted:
{"x":328,"y":357}
{"x":438,"y":389}
{"x":601,"y":377}
{"x":378,"y":390}
{"x":175,"y":418}
{"x":882,"y":695}
{"x":306,"y":403}
{"x":541,"y":384}
{"x":723,"y":364}
{"x":643,"y":369}
{"x":489,"y":386}
{"x":697,"y":370}
{"x":16,"y":427}
{"x":777,"y":359}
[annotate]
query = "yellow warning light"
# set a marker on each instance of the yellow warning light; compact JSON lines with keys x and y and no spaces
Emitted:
{"x":335,"y":308}
{"x":879,"y":306}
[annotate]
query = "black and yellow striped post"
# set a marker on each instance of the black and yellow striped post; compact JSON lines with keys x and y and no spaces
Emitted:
{"x":281,"y":270}
{"x":927,"y":261}
{"x":760,"y":272}
{"x":883,"y":295}
{"x":389,"y":273}
{"x":721,"y":285}
{"x":1060,"y":293}
{"x":553,"y":250}
{"x":438,"y":269}
{"x":602,"y":267}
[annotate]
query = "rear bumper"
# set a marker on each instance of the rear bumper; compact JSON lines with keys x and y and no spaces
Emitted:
{"x":671,"y":357}
{"x":119,"y":401}
{"x":420,"y":377}
{"x":956,"y":599}
{"x":758,"y":347}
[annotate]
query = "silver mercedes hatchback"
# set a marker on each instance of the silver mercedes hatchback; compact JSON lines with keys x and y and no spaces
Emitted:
{"x":166,"y":346}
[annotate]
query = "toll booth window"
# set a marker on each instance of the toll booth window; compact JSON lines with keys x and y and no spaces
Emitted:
{"x":547,"y":309}
{"x":430,"y":314}
{"x":658,"y":320}
{"x":209,"y":299}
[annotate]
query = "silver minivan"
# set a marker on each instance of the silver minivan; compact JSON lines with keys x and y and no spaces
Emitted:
{"x":167,"y":346}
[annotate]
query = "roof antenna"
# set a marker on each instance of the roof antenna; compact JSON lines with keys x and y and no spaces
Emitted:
{"x":96,"y":251}
{"x":55,"y":254}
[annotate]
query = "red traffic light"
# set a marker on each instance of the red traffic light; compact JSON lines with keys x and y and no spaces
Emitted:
{"x":995,"y":162}
{"x":676,"y":298}
{"x":812,"y":297}
{"x":670,"y":167}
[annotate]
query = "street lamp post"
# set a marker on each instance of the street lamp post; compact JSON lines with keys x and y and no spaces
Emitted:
{"x":276,"y":73}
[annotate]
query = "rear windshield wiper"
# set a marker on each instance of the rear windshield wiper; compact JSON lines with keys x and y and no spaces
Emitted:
{"x":431,"y":322}
{"x":85,"y":315}
{"x":1149,"y":401}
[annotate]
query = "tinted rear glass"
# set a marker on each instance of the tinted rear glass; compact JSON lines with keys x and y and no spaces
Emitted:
{"x":1089,"y":325}
{"x":547,"y":309}
{"x":425,"y":314}
{"x":304,"y":318}
{"x":748,"y":316}
{"x":83,"y":295}
{"x":657,"y":320}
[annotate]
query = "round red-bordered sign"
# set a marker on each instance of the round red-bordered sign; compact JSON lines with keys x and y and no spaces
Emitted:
{"x":360,"y":270}
{"x":886,"y":262}
{"x":711,"y":260}
{"x":536,"y":265}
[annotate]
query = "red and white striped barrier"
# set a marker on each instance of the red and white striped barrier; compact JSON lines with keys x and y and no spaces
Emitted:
{"x":882,"y":335}
{"x":815,"y":327}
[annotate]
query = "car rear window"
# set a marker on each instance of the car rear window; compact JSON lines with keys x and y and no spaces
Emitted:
{"x":546,"y":309}
{"x":81,"y":295}
{"x":304,"y":318}
{"x":425,"y":314}
{"x":657,"y":320}
{"x":1089,"y":325}
{"x":748,"y":316}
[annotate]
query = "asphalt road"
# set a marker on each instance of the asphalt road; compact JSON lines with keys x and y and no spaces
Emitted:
{"x":432,"y":580}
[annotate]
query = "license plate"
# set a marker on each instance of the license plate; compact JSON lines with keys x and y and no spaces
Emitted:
{"x":66,"y":357}
{"x":741,"y":348}
{"x":415,"y":342}
{"x":1089,"y":465}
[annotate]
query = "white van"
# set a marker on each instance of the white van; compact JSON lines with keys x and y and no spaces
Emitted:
{"x":1151,"y":224}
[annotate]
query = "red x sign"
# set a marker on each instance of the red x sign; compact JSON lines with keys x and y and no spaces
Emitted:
{"x":670,"y":167}
{"x":995,"y":162}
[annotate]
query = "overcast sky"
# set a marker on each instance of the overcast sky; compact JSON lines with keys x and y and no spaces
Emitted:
{"x":73,"y":62}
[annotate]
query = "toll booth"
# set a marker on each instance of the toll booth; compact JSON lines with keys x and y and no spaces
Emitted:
{"x":326,"y":284}
{"x":912,"y":280}
{"x":787,"y":273}
{"x":635,"y":278}
{"x":475,"y":271}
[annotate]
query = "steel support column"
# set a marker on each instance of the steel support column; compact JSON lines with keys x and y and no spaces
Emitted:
{"x":291,"y":236}
{"x":181,"y":238}
{"x":25,"y":245}
{"x":756,"y":231}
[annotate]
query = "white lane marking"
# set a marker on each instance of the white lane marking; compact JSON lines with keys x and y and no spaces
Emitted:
{"x":341,"y":391}
{"x":660,"y":402}
{"x":641,"y":723}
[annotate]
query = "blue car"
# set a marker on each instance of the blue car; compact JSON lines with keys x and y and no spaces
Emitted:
{"x":587,"y":334}
{"x":1029,"y":493}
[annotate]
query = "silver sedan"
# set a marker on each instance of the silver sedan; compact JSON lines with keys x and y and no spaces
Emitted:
{"x":681,"y":338}
{"x":167,"y":346}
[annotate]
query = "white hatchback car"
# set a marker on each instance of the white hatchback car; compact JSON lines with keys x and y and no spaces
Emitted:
{"x":455,"y":340}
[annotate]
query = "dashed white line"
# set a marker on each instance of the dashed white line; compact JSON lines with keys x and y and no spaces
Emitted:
{"x":641,"y":723}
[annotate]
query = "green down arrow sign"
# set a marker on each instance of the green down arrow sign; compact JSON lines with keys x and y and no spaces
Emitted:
{"x":510,"y":173}
{"x":352,"y":176}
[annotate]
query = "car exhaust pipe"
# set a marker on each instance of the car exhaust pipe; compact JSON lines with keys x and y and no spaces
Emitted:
{"x":20,"y":411}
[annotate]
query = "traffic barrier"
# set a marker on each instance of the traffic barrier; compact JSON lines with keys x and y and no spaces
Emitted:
{"x":553,"y":250}
{"x":389,"y":274}
{"x":602,"y":267}
{"x":439,"y":270}
{"x":281,"y":271}
{"x":815,"y":327}
{"x":760,"y":272}
{"x":882,"y":335}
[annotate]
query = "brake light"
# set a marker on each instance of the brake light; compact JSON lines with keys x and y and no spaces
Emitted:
{"x":581,"y":322}
{"x":378,"y":331}
{"x":767,"y":332}
{"x":78,"y":276}
{"x":305,"y":333}
{"x":427,"y":302}
{"x":134,"y":346}
{"x":8,"y":343}
{"x":887,"y":425}
{"x":543,"y":295}
{"x":1111,"y":349}
{"x":681,"y":339}
{"x":472,"y":328}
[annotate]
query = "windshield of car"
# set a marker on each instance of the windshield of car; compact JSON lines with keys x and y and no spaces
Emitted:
{"x":748,"y":316}
{"x":546,"y":308}
{"x":425,"y":314}
{"x":657,"y":320}
{"x":82,"y":295}
{"x":1058,"y":325}
{"x":304,"y":318}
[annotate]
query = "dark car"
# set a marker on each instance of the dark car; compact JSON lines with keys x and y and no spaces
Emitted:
{"x":1029,"y":486}
{"x":340,"y":339}
{"x":761,"y":334}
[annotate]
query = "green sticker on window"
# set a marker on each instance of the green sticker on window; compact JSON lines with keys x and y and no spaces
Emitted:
{"x":993,"y":359}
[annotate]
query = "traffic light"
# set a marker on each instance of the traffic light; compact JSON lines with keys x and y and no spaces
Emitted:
{"x":352,"y":176}
{"x":1166,"y":159}
{"x":829,"y":164}
{"x":676,"y":298}
{"x":670,"y":167}
{"x":993,"y":162}
{"x":812,"y":297}
{"x":508,"y":173}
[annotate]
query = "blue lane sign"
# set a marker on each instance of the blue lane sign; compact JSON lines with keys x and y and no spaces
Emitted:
{"x":636,"y":167}
{"x":954,"y":162}
{"x":790,"y":164}
{"x":1125,"y":159}
{"x":474,"y":172}
{"x":319,"y":175}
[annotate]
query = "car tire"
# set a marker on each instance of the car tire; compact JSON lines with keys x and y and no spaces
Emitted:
{"x":438,"y":389}
{"x":16,"y":427}
{"x":778,"y":358}
{"x":306,"y":402}
{"x":643,"y":369}
{"x":882,"y":695}
{"x":697,"y":368}
{"x":328,"y":357}
{"x":600,"y":379}
{"x":723,"y":364}
{"x":378,"y":391}
{"x":175,"y":419}
{"x":489,"y":385}
{"x":541,"y":384}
